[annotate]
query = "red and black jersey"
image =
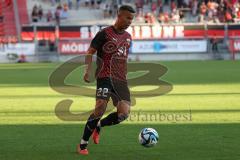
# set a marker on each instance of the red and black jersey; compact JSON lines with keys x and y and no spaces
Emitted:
{"x":112,"y":52}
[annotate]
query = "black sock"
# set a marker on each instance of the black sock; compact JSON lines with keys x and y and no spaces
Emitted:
{"x":98,"y":128}
{"x":111,"y":119}
{"x":83,"y":146}
{"x":89,"y":127}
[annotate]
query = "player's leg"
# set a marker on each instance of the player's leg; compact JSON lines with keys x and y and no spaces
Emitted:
{"x":96,"y":132}
{"x":102,"y":97}
{"x":123,"y":110}
{"x":121,"y":98}
{"x":91,"y":124}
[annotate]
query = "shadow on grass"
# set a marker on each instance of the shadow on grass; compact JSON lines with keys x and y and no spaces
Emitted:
{"x":191,"y":72}
{"x":132,"y":112}
{"x":177,"y":141}
{"x":64,"y":96}
{"x":136,"y":116}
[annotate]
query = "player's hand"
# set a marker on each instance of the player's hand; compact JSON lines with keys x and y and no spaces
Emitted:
{"x":86,"y":77}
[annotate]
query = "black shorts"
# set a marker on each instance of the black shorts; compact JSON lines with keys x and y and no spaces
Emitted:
{"x":117,"y":90}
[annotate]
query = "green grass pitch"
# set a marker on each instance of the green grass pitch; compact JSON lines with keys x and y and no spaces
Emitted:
{"x":200,"y":116}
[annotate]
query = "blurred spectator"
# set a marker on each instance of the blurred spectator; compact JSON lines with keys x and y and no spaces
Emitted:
{"x":105,"y":11}
{"x":154,"y":8}
{"x":139,"y":7}
{"x":161,"y":18}
{"x":40,"y":12}
{"x":203,"y":11}
{"x":238,"y":13}
{"x":174,"y":11}
{"x":65,"y":7}
{"x":220,"y":15}
{"x":228,"y":16}
{"x":51,"y":45}
{"x":214,"y":42}
{"x":49,"y":16}
{"x":58,"y":13}
{"x":87,"y":3}
{"x":92,"y":3}
{"x":175,"y":17}
{"x":110,"y":12}
{"x":149,"y":18}
{"x":35,"y":14}
{"x":78,"y":3}
{"x":180,"y":3}
{"x":53,"y":2}
{"x":22,"y":59}
{"x":57,"y":17}
{"x":173,"y":5}
{"x":166,"y":17}
{"x":59,"y":7}
{"x":146,"y":18}
{"x":98,"y":4}
{"x":160,"y":5}
{"x":194,"y":7}
{"x":236,"y":8}
{"x":70,"y":4}
{"x":115,"y":8}
{"x":181,"y":16}
{"x":64,"y":11}
{"x":186,"y":3}
{"x":146,"y":8}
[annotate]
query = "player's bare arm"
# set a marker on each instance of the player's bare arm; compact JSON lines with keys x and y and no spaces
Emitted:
{"x":88,"y":62}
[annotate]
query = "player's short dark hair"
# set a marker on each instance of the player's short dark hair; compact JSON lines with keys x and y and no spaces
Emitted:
{"x":127,"y":8}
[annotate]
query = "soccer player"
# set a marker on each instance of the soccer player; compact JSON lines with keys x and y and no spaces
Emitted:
{"x":112,"y":46}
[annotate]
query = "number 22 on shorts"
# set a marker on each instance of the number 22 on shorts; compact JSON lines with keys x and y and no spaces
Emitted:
{"x":102,"y":92}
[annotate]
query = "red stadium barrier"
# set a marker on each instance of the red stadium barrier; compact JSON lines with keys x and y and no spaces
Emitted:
{"x":8,"y":2}
{"x":138,"y":32}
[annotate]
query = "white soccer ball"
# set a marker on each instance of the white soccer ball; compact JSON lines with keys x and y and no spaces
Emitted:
{"x":148,"y":137}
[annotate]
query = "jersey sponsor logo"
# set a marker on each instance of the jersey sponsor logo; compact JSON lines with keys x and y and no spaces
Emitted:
{"x":119,"y":48}
{"x":110,"y":47}
{"x":122,"y":51}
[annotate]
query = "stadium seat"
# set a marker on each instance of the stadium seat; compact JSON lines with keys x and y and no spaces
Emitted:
{"x":9,"y":26}
{"x":1,"y":21}
{"x":23,"y":12}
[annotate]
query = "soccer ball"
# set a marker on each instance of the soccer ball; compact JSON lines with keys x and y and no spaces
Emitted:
{"x":148,"y":137}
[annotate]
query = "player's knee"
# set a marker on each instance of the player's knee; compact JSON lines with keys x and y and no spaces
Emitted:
{"x":100,"y":108}
{"x":123,"y":111}
{"x":99,"y":113}
{"x":101,"y":103}
{"x":122,"y":117}
{"x":124,"y":103}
